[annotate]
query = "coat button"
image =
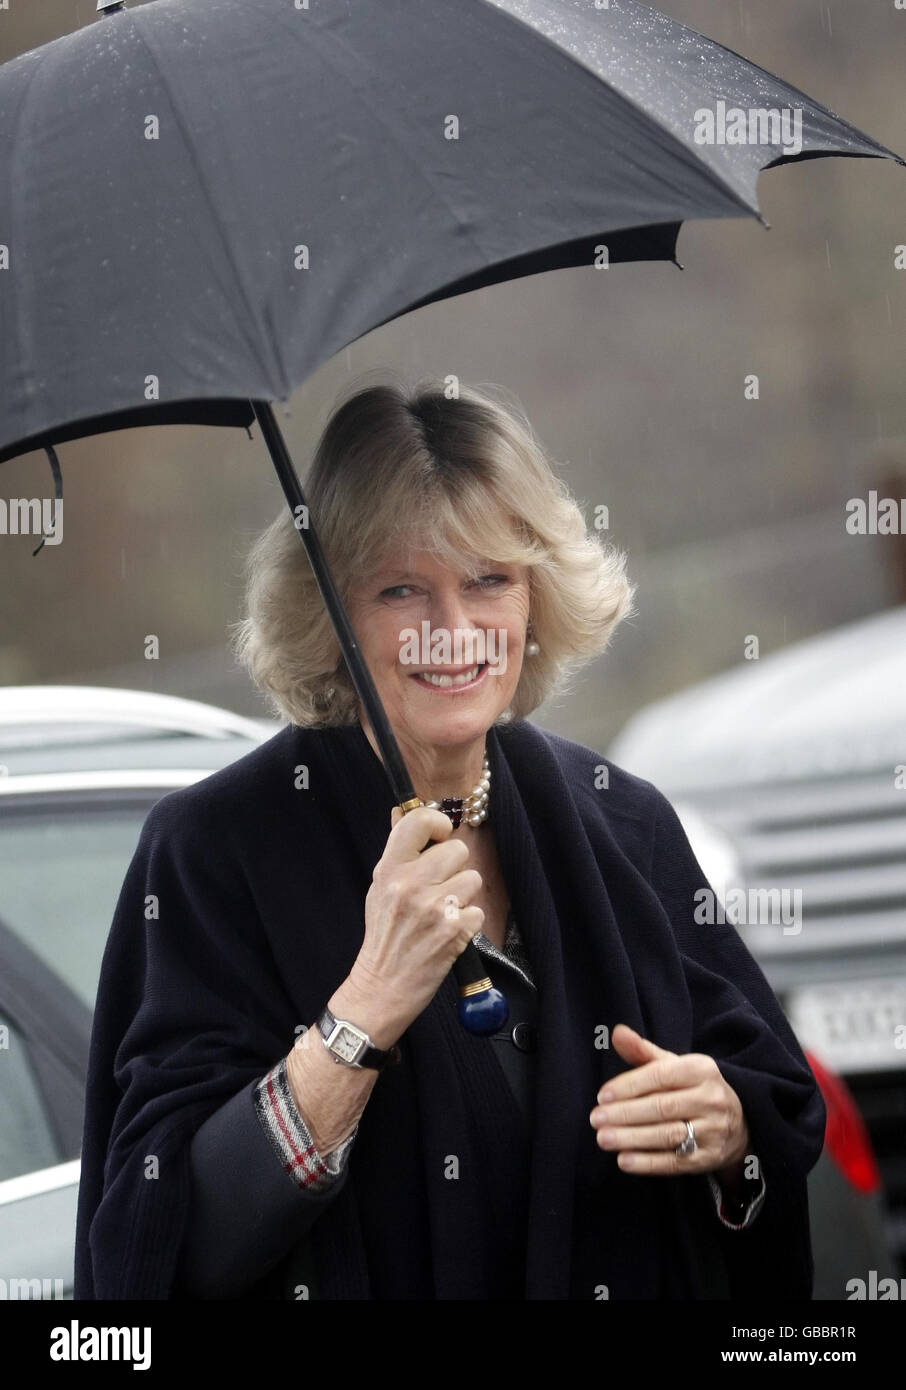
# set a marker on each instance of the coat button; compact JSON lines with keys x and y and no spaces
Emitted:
{"x":523,"y":1036}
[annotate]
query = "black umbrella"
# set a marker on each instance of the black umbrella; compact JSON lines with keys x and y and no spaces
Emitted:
{"x":201,"y":201}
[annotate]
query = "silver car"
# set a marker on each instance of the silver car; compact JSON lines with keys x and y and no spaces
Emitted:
{"x":790,"y":774}
{"x":80,"y":768}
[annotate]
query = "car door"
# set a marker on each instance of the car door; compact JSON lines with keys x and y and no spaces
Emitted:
{"x":63,"y":856}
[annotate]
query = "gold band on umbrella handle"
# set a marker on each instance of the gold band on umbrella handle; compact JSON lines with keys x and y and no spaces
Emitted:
{"x":482,"y":1009}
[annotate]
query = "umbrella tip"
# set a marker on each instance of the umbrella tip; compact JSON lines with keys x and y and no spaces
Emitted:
{"x":111,"y":6}
{"x":763,"y":220}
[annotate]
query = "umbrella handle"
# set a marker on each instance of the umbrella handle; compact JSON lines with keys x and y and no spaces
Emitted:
{"x":482,"y":1009}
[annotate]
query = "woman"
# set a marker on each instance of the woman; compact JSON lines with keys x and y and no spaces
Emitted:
{"x":281,"y":1103}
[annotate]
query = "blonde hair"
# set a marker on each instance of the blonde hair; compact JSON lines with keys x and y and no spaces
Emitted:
{"x":464,"y":478}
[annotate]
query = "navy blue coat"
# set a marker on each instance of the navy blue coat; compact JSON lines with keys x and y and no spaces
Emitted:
{"x":241,"y":912}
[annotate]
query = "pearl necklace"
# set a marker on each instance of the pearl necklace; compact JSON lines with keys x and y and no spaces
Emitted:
{"x":473,"y":809}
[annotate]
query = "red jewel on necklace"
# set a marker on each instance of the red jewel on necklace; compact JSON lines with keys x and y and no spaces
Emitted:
{"x":471,"y":809}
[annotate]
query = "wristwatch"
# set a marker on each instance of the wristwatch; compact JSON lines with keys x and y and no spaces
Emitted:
{"x":350,"y":1045}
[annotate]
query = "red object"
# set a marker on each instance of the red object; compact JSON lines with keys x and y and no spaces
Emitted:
{"x":846,"y":1137}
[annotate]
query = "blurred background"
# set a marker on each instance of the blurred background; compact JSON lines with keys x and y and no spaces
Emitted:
{"x":789,"y":769}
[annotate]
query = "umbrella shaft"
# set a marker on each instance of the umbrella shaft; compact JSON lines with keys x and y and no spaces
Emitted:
{"x":361,"y":677}
{"x":482,"y":1008}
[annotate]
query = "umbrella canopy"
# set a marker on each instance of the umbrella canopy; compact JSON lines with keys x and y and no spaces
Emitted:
{"x":204,"y":200}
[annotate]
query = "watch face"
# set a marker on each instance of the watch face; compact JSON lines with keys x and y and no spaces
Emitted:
{"x":346,"y":1044}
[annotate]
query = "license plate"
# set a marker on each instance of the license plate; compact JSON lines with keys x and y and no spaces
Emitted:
{"x":853,"y":1028}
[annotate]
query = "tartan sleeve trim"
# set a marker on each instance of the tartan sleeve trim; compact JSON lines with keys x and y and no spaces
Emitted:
{"x":749,"y":1212}
{"x":285,"y":1126}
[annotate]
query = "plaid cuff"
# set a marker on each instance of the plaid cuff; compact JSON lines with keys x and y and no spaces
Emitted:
{"x":283,"y":1122}
{"x":746,"y":1214}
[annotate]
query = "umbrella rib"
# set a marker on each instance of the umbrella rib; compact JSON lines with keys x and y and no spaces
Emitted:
{"x":752,"y":209}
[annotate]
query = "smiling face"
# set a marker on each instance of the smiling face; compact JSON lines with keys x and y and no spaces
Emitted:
{"x":416,"y":592}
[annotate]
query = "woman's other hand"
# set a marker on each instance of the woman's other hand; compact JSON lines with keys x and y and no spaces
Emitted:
{"x":642,"y":1113}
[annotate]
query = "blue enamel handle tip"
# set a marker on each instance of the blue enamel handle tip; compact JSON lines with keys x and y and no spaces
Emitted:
{"x":483,"y":1013}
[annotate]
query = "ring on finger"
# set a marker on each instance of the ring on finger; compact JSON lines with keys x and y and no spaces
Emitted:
{"x":688,"y":1145}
